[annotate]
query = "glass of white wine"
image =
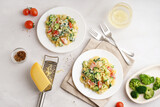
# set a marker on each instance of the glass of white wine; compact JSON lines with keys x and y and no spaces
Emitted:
{"x":120,"y":15}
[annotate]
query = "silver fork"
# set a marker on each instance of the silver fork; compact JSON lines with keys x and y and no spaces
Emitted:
{"x":100,"y":37}
{"x":108,"y":34}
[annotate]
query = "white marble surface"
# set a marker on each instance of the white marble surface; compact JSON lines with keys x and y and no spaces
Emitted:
{"x":16,"y":87}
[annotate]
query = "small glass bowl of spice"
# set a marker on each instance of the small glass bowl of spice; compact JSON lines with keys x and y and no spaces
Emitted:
{"x":19,"y":55}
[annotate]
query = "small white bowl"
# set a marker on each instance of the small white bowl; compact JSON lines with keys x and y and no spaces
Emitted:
{"x":14,"y":53}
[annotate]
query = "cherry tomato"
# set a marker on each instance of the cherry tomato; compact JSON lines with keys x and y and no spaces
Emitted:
{"x":92,"y":65}
{"x":70,"y":25}
{"x":55,"y":32}
{"x":49,"y":31}
{"x":119,"y":104}
{"x":112,"y":75}
{"x":90,"y":83}
{"x":57,"y":20}
{"x":99,"y":84}
{"x":26,"y":11}
{"x":33,"y":12}
{"x":110,"y":68}
{"x":29,"y":24}
{"x":64,"y":41}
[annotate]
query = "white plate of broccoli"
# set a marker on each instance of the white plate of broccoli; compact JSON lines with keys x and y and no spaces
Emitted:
{"x":144,"y":86}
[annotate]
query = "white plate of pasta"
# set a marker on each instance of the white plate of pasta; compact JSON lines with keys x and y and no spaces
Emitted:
{"x":97,"y":74}
{"x":61,"y":29}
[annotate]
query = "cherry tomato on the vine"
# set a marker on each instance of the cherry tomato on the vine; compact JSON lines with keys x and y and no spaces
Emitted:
{"x":26,"y":11}
{"x":29,"y":24}
{"x":33,"y":12}
{"x":119,"y":104}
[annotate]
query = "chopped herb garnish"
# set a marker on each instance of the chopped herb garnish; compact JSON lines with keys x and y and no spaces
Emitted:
{"x":110,"y":85}
{"x":83,"y":71}
{"x":83,"y":78}
{"x":55,"y":38}
{"x":98,"y":59}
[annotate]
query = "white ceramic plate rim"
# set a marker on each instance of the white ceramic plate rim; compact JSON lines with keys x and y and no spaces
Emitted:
{"x":86,"y":56}
{"x":139,"y":72}
{"x":80,"y":35}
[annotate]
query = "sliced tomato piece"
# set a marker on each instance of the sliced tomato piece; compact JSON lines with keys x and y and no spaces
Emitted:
{"x":49,"y":31}
{"x":70,"y":25}
{"x":92,"y":65}
{"x":110,"y":68}
{"x":99,"y":84}
{"x":57,"y":21}
{"x":90,"y":83}
{"x":64,"y":40}
{"x":55,"y":32}
{"x":113,"y":75}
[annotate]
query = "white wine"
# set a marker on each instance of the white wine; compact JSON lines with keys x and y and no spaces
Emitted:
{"x":120,"y":15}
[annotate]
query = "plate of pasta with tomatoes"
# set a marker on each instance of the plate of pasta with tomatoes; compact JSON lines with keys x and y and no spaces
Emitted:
{"x":61,"y":29}
{"x":97,"y":74}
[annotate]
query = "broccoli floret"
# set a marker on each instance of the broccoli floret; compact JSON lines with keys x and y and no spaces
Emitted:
{"x":56,"y":26}
{"x":91,"y":77}
{"x":156,"y":85}
{"x":55,"y":38}
{"x":95,"y":88}
{"x":134,"y":94}
{"x":134,"y":83}
{"x":95,"y":68}
{"x":141,"y":89}
{"x":98,"y":76}
{"x":104,"y":86}
{"x":60,"y":43}
{"x":52,"y":18}
{"x":71,"y":37}
{"x":72,"y":20}
{"x":112,"y":66}
{"x":146,"y":79}
{"x":104,"y":78}
{"x":149,"y":93}
{"x":48,"y":23}
{"x":85,"y":64}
